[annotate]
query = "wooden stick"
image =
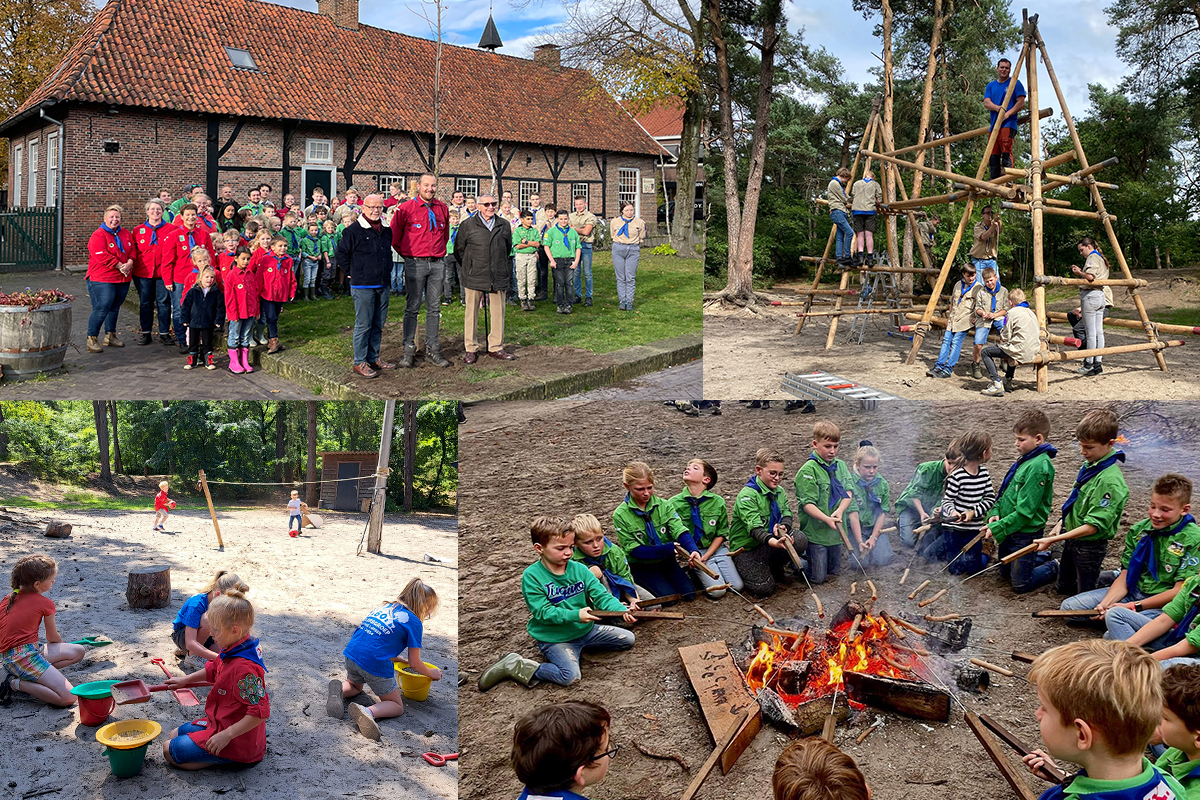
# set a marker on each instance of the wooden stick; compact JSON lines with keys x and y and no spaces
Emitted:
{"x":639,"y":614}
{"x":942,"y":618}
{"x":903,"y":577}
{"x":848,"y":312}
{"x":1056,"y":316}
{"x":1010,"y":773}
{"x":715,"y":756}
{"x":1059,"y":212}
{"x":791,"y":551}
{"x":862,"y":736}
{"x":829,"y":728}
{"x":941,"y":322}
{"x":211,"y":511}
{"x":854,"y":626}
{"x":1047,"y":613}
{"x":1014,"y":555}
{"x":979,"y":185}
{"x":853,"y":588}
{"x":1057,"y":280}
{"x":874,"y":593}
{"x":770,"y":620}
{"x":979,"y":662}
{"x":733,"y":553}
{"x":897,"y":270}
{"x":1073,"y":355}
{"x":1023,"y":119}
{"x":675,"y":598}
{"x":913,"y":594}
{"x":894,"y":663}
{"x":932,"y":599}
{"x":1045,"y":772}
{"x":700,"y":565}
{"x":820,"y":608}
{"x":1022,"y":656}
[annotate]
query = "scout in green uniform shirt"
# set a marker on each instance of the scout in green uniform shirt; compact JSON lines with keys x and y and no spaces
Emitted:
{"x":310,"y":243}
{"x":813,"y":487}
{"x":630,"y":524}
{"x":1100,"y":500}
{"x":712,"y":513}
{"x":1024,"y":501}
{"x":598,"y":554}
{"x":563,"y":243}
{"x":529,"y":235}
{"x":1180,"y":727}
{"x":752,"y":511}
{"x":1177,"y":764}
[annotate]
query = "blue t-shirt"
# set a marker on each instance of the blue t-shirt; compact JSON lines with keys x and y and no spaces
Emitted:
{"x":995,"y":92}
{"x":386,"y":633}
{"x":191,"y":612}
{"x":560,"y":794}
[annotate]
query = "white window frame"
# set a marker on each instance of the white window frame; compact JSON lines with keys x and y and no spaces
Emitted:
{"x":386,"y":181}
{"x":34,"y":147}
{"x":623,"y":194}
{"x":308,"y":151}
{"x":468,"y":186}
{"x":18,"y":193}
{"x":52,"y":169}
{"x":526,"y":190}
{"x":583,"y":190}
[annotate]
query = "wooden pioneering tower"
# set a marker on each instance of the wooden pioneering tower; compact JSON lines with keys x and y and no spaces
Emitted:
{"x":1028,"y":196}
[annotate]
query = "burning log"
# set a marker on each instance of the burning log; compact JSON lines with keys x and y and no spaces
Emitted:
{"x":775,"y":711}
{"x":942,"y":618}
{"x":791,"y":676}
{"x":949,"y":636}
{"x":906,"y":697}
{"x":903,"y":577}
{"x":972,"y":678}
{"x":979,"y":662}
{"x":932,"y":599}
{"x":854,"y":626}
{"x":913,"y":594}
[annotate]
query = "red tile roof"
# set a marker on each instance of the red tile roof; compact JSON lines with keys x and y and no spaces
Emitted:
{"x":165,"y":54}
{"x":664,"y":119}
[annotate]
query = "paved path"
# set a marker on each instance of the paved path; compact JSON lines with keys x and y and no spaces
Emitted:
{"x":133,"y":372}
{"x":684,"y":382}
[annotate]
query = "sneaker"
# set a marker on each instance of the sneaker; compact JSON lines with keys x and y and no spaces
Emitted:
{"x":933,"y":371}
{"x":578,"y":299}
{"x":367,"y":725}
{"x":1086,"y":369}
{"x":1097,"y":370}
{"x":191,"y":362}
{"x":211,"y":362}
{"x":335,"y":706}
{"x":994,"y":390}
{"x":445,"y":301}
{"x":570,"y":310}
{"x":587,"y":301}
{"x":6,"y":690}
{"x":945,"y":372}
{"x":1009,"y":383}
{"x":559,"y":310}
{"x":976,"y":370}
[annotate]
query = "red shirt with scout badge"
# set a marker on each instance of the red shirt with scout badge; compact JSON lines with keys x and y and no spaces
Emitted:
{"x":241,"y":293}
{"x":107,"y":250}
{"x":239,"y":689}
{"x":276,"y":278}
{"x":184,"y":241}
{"x":225,"y":261}
{"x":420,"y":229}
{"x":155,"y":251}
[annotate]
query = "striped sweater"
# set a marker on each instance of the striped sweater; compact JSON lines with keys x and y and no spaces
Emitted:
{"x":967,"y":492}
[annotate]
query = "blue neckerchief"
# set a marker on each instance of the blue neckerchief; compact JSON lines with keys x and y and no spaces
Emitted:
{"x":453,"y":233}
{"x":1022,"y":305}
{"x":1176,"y":634}
{"x":966,"y":288}
{"x":1086,"y":473}
{"x":207,"y":224}
{"x":866,"y":179}
{"x":1194,"y":772}
{"x":278,"y":261}
{"x":566,"y":236}
{"x":1145,"y":556}
{"x":993,"y":294}
{"x":433,"y":226}
{"x":154,"y":229}
{"x":1045,"y":447}
{"x":191,"y":234}
{"x":837,"y":492}
{"x":1129,"y":793}
{"x":116,"y":233}
{"x":625,"y":228}
{"x":248,"y":649}
{"x":472,"y":213}
{"x":558,"y":794}
{"x":697,"y":520}
{"x":869,"y":488}
{"x":1096,"y":253}
{"x":614,"y":580}
{"x":645,"y":515}
{"x":776,"y":515}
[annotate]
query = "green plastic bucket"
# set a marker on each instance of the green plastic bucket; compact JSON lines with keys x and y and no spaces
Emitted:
{"x":126,"y":763}
{"x":95,"y":690}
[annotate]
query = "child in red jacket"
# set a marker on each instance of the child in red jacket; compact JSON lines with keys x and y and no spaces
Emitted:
{"x":277,"y":279}
{"x":232,"y":731}
{"x":241,"y":309}
{"x":260,"y":252}
{"x":162,"y":506}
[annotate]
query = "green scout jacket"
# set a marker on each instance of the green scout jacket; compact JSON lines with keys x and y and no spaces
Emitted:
{"x":631,"y":528}
{"x":866,"y":515}
{"x":752,"y":509}
{"x":293,"y":236}
{"x":928,"y":482}
{"x":554,"y":240}
{"x":1178,"y":557}
{"x":712,"y":513}
{"x":1174,"y":762}
{"x":1025,"y":505}
{"x":1083,"y":787}
{"x":1100,"y":503}
{"x":612,"y":558}
{"x":554,"y":601}
{"x":310,"y":247}
{"x":1178,"y":608}
{"x":812,"y":486}
{"x":530,"y":235}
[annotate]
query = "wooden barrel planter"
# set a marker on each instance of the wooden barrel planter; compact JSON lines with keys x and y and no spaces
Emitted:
{"x":34,"y":342}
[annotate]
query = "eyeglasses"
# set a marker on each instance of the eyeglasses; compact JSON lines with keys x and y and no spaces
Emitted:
{"x":606,"y":754}
{"x":486,"y":205}
{"x":374,"y":208}
{"x":773,"y":474}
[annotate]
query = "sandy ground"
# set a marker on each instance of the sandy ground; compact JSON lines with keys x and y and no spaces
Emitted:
{"x":309,"y":595}
{"x":566,"y":458}
{"x":746,"y":355}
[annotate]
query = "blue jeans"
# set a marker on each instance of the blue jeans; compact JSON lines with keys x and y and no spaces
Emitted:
{"x":370,"y":313}
{"x":184,"y":751}
{"x":583,"y":275}
{"x":296,"y":519}
{"x":823,"y":561}
{"x":270,"y":310}
{"x":908,"y":521}
{"x":981,"y":334}
{"x":983,"y":263}
{"x":423,"y":280}
{"x":106,"y":304}
{"x":562,"y":658}
{"x":398,"y":276}
{"x":153,"y":294}
{"x":1123,"y":623}
{"x":845,"y":234}
{"x":951,"y":348}
{"x":969,"y":562}
{"x":1030,"y":571}
{"x":721,"y":563}
{"x":177,"y":309}
{"x":238,"y":332}
{"x":880,"y":555}
{"x":1088,"y":600}
{"x":309,"y":267}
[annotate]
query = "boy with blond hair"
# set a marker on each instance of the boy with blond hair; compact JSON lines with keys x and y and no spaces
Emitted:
{"x":823,"y":497}
{"x":813,"y":769}
{"x":703,"y":513}
{"x":605,"y":560}
{"x":1099,"y":703}
{"x":1093,"y":509}
{"x":1180,"y":727}
{"x":1020,"y":340}
{"x":560,"y":594}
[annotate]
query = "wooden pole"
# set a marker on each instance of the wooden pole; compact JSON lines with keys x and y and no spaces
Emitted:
{"x":1058,"y":316}
{"x":1055,"y":210}
{"x":833,"y":325}
{"x":890,"y":177}
{"x":987,"y":187}
{"x":714,"y":756}
{"x":962,"y":137}
{"x":410,"y":452}
{"x":1010,"y":773}
{"x":1055,"y":280}
{"x":1097,"y":200}
{"x":212,"y":512}
{"x":1073,"y":355}
{"x":940,"y":322}
{"x":1036,"y":208}
{"x":375,"y":523}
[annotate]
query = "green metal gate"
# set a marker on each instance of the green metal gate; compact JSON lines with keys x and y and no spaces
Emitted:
{"x":28,"y":239}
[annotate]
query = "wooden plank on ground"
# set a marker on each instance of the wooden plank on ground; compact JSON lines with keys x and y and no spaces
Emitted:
{"x":723,"y":695}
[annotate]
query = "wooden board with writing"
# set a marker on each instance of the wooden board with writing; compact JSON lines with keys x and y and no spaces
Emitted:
{"x":723,"y":696}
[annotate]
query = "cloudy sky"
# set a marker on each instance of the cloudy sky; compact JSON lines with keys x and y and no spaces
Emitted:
{"x":1077,"y":34}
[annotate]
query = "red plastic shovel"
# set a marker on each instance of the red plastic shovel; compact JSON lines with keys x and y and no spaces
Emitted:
{"x":185,"y":696}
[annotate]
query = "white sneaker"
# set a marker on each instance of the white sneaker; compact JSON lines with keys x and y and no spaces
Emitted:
{"x":366,"y":723}
{"x":995,"y":390}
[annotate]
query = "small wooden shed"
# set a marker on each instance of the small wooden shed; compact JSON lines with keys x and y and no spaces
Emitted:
{"x":338,"y":490}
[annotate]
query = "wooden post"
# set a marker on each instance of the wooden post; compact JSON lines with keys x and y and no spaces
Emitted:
{"x":212,"y":512}
{"x":149,"y":587}
{"x":410,"y":452}
{"x":1037,"y":219}
{"x":1010,"y":773}
{"x":375,"y":523}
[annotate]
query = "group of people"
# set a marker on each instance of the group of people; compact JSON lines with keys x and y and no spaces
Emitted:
{"x":950,"y":511}
{"x":208,"y":267}
{"x":212,"y":634}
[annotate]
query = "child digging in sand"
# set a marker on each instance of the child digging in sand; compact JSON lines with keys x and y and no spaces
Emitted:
{"x":27,"y":667}
{"x":192,"y":632}
{"x":162,"y":506}
{"x":392,"y":631}
{"x":232,"y":731}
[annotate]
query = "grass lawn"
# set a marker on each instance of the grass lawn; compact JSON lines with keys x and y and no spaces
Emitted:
{"x":96,"y":502}
{"x":667,"y":304}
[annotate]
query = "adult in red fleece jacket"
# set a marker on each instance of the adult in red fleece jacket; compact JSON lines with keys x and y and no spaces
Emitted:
{"x":153,"y":262}
{"x":111,"y":253}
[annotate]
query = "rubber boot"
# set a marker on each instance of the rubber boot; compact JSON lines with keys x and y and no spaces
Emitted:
{"x":244,"y":352}
{"x":93,"y":345}
{"x":511,"y":667}
{"x":433,"y":355}
{"x":235,"y":360}
{"x":410,"y":355}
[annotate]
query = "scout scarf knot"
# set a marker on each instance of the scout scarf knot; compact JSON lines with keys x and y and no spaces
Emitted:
{"x":618,"y":583}
{"x":624,"y":228}
{"x":993,"y":293}
{"x":697,"y":520}
{"x":1145,"y":554}
{"x":868,"y":487}
{"x":1086,"y":473}
{"x":776,"y":515}
{"x":1046,"y":448}
{"x":965,"y":289}
{"x":154,"y":229}
{"x":433,"y":226}
{"x":651,"y":533}
{"x":248,"y":649}
{"x":116,"y":234}
{"x":565,"y":232}
{"x":837,"y":492}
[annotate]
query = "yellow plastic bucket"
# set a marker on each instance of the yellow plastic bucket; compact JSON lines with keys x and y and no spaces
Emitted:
{"x":414,"y":685}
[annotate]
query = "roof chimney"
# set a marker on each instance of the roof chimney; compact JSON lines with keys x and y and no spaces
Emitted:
{"x":548,"y":55}
{"x":344,"y":13}
{"x":491,"y":37}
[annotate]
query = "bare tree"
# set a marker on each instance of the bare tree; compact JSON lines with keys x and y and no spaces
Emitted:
{"x":310,"y":476}
{"x":100,"y":412}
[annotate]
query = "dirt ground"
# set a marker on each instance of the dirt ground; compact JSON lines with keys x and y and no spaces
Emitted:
{"x":746,"y":354}
{"x":567,"y":458}
{"x":309,"y":595}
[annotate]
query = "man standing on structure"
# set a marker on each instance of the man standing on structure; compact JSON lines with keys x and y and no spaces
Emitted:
{"x":993,"y":96}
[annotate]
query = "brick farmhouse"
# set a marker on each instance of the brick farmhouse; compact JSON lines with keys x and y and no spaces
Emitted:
{"x":156,"y":95}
